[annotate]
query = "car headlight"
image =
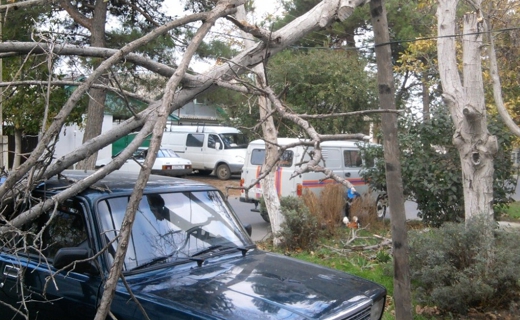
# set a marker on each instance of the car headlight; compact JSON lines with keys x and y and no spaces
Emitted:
{"x":377,"y":309}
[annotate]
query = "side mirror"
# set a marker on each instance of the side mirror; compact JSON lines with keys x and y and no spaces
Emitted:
{"x":66,"y":256}
{"x":217,"y":145}
{"x":249,"y":229}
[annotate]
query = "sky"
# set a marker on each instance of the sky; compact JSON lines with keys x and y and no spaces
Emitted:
{"x":263,"y":9}
{"x":267,"y":7}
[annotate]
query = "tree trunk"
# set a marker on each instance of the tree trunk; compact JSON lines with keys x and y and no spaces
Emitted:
{"x":476,"y":146}
{"x":17,"y":148}
{"x":96,"y":105}
{"x":425,"y":97}
{"x":269,"y":192}
{"x":270,"y":135}
{"x":402,"y":291}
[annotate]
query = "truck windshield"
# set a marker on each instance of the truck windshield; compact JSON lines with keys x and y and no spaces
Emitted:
{"x":171,"y":225}
{"x":234,"y":140}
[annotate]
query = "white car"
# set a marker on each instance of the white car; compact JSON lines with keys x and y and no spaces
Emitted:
{"x":167,"y":163}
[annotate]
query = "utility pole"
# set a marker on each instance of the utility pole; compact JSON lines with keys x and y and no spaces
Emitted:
{"x":394,"y":181}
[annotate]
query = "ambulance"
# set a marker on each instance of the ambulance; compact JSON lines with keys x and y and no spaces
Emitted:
{"x":342,"y":157}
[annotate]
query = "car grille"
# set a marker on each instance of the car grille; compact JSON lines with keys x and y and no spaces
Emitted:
{"x":358,"y":312}
{"x":363,"y":314}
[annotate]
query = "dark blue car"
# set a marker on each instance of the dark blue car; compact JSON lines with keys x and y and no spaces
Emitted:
{"x":189,"y":257}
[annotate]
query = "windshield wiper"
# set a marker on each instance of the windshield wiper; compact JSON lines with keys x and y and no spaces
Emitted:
{"x":206,"y":250}
{"x":151,"y":262}
{"x":218,"y":248}
{"x":160,"y":259}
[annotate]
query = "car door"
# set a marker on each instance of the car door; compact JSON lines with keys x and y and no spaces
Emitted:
{"x":27,"y":269}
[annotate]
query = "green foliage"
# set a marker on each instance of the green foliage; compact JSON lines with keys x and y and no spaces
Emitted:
{"x":301,"y":229}
{"x":431,"y":169}
{"x":457,"y":266}
{"x":511,"y":211}
{"x":23,"y":107}
{"x":324,"y":82}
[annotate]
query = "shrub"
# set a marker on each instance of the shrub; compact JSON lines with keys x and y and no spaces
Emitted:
{"x":365,"y":209}
{"x":301,"y":228}
{"x":458,"y":266}
{"x":329,"y":207}
{"x":433,"y":179}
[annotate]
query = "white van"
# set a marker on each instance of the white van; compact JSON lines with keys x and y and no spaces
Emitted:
{"x":343,"y":157}
{"x":209,"y":148}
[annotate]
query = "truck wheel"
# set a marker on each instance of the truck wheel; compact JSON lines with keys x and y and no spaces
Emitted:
{"x":265,"y":215}
{"x":223,"y":172}
{"x":381,"y":205}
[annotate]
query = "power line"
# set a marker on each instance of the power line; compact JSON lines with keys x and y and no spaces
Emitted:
{"x":386,"y":43}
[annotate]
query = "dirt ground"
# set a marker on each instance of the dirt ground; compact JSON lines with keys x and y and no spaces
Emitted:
{"x":222,"y":185}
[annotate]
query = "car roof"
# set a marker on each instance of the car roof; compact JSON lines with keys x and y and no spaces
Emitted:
{"x":120,"y":182}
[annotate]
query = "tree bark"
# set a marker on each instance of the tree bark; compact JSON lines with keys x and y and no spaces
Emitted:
{"x":17,"y":148}
{"x":270,"y":135}
{"x":402,"y":291}
{"x":97,"y":96}
{"x":476,"y":146}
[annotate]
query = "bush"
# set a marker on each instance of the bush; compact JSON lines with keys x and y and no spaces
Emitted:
{"x":301,"y":229}
{"x":457,"y":267}
{"x":365,"y":209}
{"x":329,"y":207}
{"x":433,"y":179}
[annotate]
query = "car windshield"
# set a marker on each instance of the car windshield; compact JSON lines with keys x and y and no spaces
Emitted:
{"x":172,"y":226}
{"x":234,"y":140}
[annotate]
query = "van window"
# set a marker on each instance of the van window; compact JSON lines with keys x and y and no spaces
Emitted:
{"x":258,"y":158}
{"x":212,"y":140}
{"x":195,"y":140}
{"x":352,"y":158}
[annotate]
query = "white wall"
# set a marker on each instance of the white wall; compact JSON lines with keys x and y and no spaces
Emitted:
{"x":71,"y":138}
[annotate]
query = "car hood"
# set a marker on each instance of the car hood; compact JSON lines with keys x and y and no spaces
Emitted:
{"x":258,"y":286}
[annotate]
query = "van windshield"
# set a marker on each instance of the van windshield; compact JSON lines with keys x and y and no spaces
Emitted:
{"x":234,"y":140}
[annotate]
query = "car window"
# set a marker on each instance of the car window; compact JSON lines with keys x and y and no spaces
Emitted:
{"x":62,"y":228}
{"x":167,"y":153}
{"x":171,"y":224}
{"x":140,"y":154}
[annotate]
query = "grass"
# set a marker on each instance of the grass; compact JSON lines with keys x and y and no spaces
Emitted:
{"x":333,"y":252}
{"x":512,"y":211}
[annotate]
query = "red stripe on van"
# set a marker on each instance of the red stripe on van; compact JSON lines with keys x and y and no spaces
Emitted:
{"x":278,"y":181}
